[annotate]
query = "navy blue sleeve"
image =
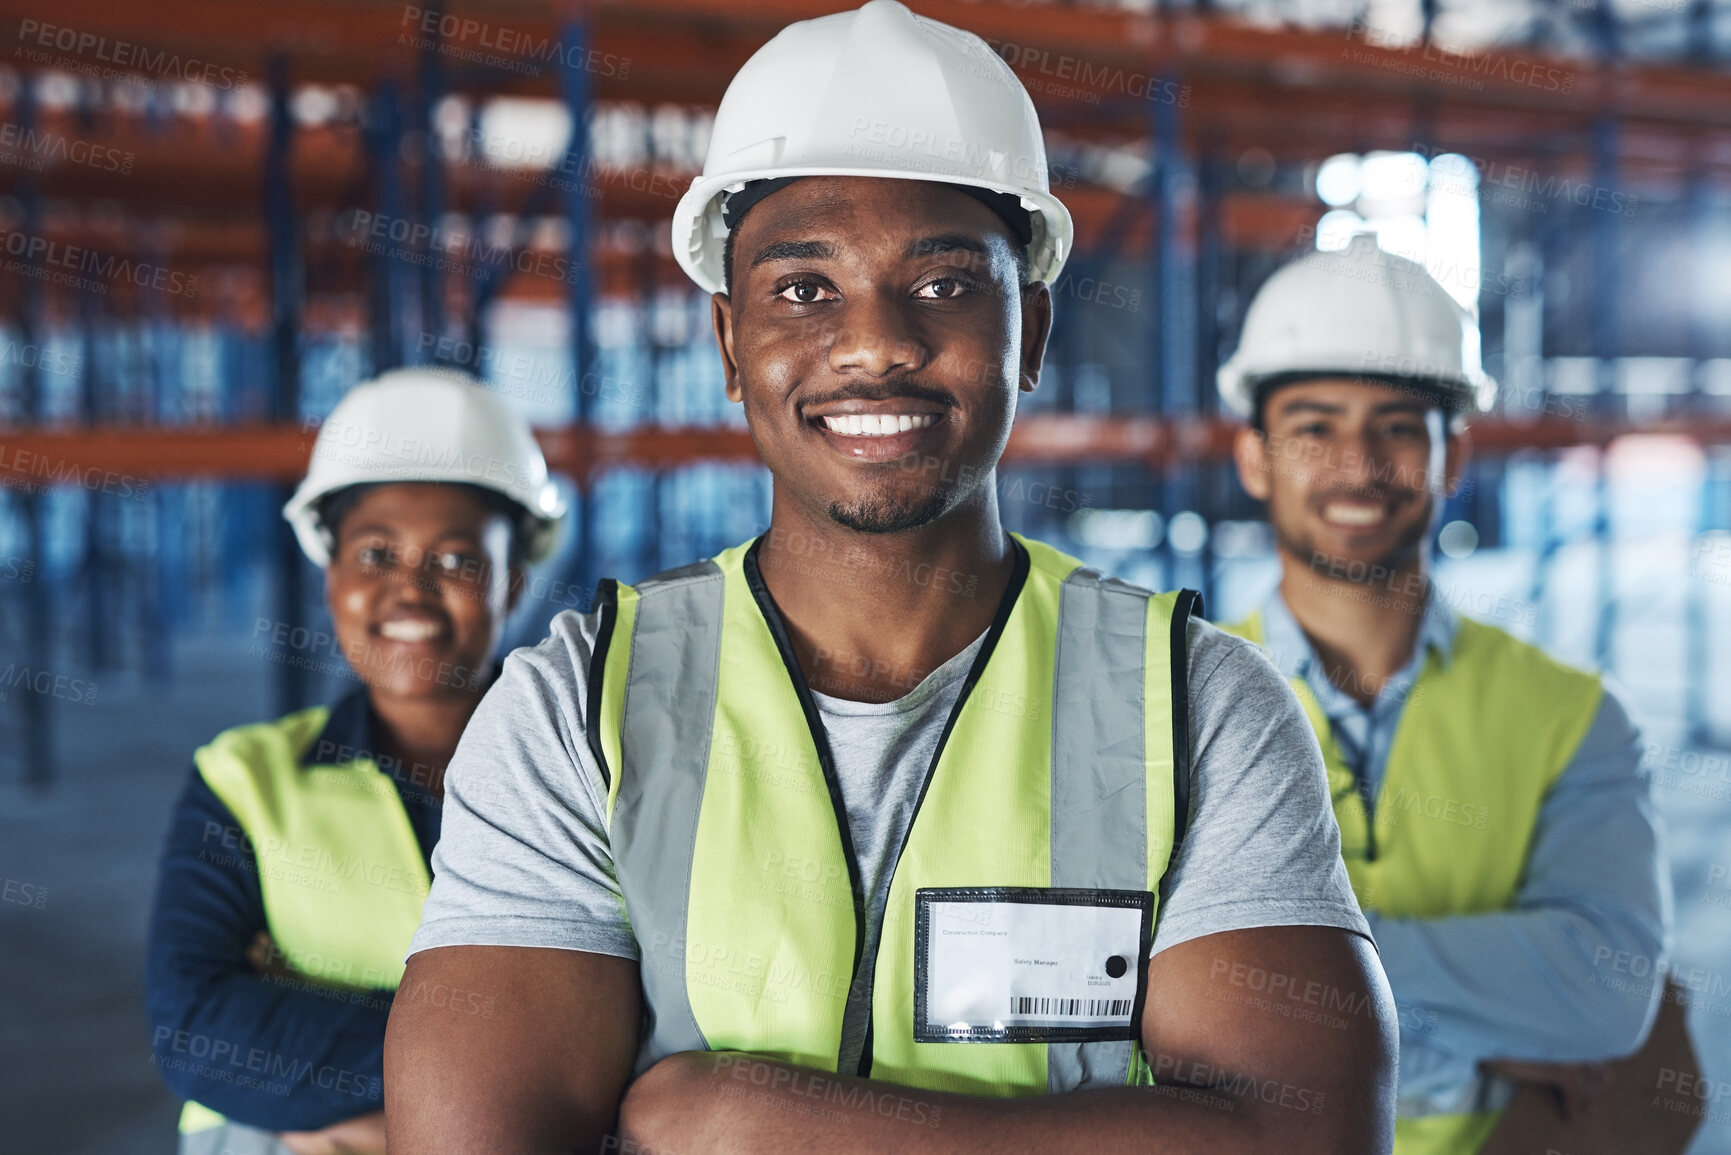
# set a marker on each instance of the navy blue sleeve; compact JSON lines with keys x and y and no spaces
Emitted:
{"x":271,"y":1052}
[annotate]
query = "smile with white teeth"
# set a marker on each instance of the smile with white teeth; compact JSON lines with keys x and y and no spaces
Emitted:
{"x":410,"y":630}
{"x":877,"y":424}
{"x":1353,"y":514}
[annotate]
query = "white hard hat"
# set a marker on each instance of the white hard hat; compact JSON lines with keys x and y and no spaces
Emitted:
{"x":875,"y":92}
{"x":1357,"y":312}
{"x":425,"y":424}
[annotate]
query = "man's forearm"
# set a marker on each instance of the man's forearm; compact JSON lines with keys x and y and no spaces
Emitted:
{"x":1488,"y":984}
{"x":716,"y":1104}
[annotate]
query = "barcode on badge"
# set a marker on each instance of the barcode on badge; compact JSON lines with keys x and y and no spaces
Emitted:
{"x":1057,"y":1008}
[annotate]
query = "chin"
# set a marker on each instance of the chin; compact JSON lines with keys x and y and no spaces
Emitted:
{"x":879,"y":515}
{"x":1322,"y":551}
{"x":445,"y":674}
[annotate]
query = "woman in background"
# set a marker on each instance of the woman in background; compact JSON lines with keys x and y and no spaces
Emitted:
{"x":299,"y":853}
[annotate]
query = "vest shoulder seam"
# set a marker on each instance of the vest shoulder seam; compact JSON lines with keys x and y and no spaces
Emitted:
{"x":696,"y":573}
{"x":238,"y":740}
{"x":1088,"y":577}
{"x":1542,"y":662}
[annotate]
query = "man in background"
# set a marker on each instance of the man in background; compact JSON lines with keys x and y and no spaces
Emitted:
{"x":1494,"y":815}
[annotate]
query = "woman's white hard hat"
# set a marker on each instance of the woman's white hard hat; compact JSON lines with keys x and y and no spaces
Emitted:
{"x":426,"y":424}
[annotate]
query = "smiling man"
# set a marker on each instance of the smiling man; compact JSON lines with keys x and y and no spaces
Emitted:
{"x":747,"y":878}
{"x":1493,"y":810}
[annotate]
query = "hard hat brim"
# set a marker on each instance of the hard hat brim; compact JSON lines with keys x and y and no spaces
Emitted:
{"x":1245,"y":394}
{"x":540,"y":530}
{"x":699,"y":211}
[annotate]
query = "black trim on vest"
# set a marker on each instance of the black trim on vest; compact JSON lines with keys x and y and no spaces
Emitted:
{"x":607,"y":605}
{"x":778,"y":630}
{"x":813,"y":723}
{"x":1188,"y":603}
{"x":1012,"y":592}
{"x":348,"y":733}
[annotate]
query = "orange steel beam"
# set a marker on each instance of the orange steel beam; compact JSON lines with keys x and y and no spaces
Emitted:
{"x":197,"y":167}
{"x":686,"y":50}
{"x":359,"y":40}
{"x":191,"y":174}
{"x":118,"y":459}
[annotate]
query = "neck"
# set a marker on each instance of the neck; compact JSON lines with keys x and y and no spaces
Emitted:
{"x":422,"y":731}
{"x":870,"y":615}
{"x":1363,"y":634}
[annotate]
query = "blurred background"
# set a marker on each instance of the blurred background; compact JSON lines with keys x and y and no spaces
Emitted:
{"x":217,"y":215}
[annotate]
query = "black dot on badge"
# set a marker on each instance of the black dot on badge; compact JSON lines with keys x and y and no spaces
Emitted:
{"x":1116,"y":966}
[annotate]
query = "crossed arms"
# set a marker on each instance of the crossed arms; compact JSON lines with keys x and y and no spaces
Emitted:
{"x":1268,"y":1039}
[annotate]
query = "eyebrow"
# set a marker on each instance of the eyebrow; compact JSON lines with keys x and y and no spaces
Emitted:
{"x":823,"y":250}
{"x":367,"y":527}
{"x":1383,"y":407}
{"x":946,"y":243}
{"x":1315,"y":406}
{"x":794,"y":251}
{"x":383,"y":530}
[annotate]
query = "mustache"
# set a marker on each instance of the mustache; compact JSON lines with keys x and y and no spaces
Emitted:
{"x":885,"y":390}
{"x":1357,"y":493}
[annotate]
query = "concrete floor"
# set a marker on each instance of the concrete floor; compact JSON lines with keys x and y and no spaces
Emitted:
{"x":73,"y":1036}
{"x":77,"y":1050}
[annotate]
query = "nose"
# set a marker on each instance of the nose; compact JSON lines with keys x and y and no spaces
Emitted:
{"x":878,"y":338}
{"x":415,"y":581}
{"x":1357,"y":458}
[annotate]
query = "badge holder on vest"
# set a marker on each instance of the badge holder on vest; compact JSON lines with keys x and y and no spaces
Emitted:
{"x":1030,"y":964}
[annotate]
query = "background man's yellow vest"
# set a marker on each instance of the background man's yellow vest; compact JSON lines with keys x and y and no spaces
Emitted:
{"x":340,"y":869}
{"x":1480,"y":741}
{"x":1058,"y":770}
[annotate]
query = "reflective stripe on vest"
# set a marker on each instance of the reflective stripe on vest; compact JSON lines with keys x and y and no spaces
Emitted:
{"x":339,"y":867}
{"x":732,"y":846}
{"x":1479,"y":744}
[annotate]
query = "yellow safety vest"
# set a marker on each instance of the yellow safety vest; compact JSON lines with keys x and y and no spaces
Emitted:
{"x":340,"y":869}
{"x":1480,"y":742}
{"x":1062,"y":767}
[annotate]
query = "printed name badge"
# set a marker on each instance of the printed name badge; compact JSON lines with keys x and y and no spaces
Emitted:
{"x":1025,"y":964}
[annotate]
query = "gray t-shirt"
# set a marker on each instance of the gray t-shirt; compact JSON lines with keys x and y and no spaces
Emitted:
{"x":524,"y":857}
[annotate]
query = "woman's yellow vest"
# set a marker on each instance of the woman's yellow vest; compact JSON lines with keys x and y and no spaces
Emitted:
{"x":339,"y":867}
{"x":1480,"y":742}
{"x":1062,"y":765}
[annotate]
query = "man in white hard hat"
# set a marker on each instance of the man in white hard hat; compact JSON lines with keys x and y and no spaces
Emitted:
{"x":1493,"y":811}
{"x":1089,"y":852}
{"x":297,"y":858}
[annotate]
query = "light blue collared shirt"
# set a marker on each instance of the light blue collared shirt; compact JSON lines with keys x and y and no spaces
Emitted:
{"x":1364,"y":734}
{"x":1539,"y":981}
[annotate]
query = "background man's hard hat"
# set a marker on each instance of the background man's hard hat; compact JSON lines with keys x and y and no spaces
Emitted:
{"x":424,"y":424}
{"x":876,"y":92}
{"x":1358,"y":312}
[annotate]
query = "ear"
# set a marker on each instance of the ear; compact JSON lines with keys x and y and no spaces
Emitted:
{"x":721,"y":316}
{"x":1250,"y":454}
{"x":514,"y":593}
{"x":1036,"y":329}
{"x":1458,"y":452}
